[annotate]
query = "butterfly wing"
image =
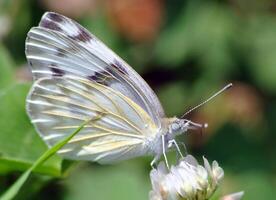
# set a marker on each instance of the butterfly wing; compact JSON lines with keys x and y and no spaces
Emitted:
{"x":61,"y":46}
{"x":57,"y":106}
{"x":78,"y":78}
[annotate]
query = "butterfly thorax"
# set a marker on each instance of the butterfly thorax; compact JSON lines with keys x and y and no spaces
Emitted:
{"x":175,"y":127}
{"x":172,"y":127}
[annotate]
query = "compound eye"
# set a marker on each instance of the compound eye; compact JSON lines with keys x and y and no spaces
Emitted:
{"x":175,"y":126}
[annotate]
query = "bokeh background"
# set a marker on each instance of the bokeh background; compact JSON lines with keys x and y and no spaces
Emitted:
{"x":185,"y":50}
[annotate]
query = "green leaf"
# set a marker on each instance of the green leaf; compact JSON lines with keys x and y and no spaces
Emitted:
{"x":125,"y":180}
{"x":6,"y":65}
{"x":20,"y":145}
{"x":14,"y":189}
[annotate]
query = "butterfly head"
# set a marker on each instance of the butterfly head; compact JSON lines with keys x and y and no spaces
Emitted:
{"x":178,"y":126}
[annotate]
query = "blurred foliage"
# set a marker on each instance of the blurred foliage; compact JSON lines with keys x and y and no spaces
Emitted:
{"x":20,"y":146}
{"x":122,"y":181}
{"x":6,"y":66}
{"x":185,"y":50}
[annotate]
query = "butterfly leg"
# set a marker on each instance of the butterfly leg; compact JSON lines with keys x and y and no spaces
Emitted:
{"x":185,"y":148}
{"x":173,"y":142}
{"x":164,"y":151}
{"x":156,"y":158}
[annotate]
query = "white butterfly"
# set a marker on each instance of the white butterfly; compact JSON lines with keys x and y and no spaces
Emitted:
{"x":77,"y":78}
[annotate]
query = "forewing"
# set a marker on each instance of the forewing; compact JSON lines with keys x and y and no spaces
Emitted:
{"x":58,"y":105}
{"x":60,"y":46}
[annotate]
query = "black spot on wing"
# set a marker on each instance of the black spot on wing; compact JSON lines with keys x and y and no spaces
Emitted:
{"x":61,"y":52}
{"x":56,"y":71}
{"x":93,"y":78}
{"x":101,"y":77}
{"x":50,"y":25}
{"x":55,"y":17}
{"x":112,"y":72}
{"x":119,"y":67}
{"x":82,"y":36}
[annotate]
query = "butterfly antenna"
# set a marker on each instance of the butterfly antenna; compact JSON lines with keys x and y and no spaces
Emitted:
{"x":207,"y":100}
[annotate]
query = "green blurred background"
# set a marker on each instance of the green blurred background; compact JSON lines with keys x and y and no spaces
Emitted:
{"x":185,"y":50}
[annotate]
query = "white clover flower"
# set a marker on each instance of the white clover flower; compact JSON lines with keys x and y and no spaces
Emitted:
{"x":186,"y":181}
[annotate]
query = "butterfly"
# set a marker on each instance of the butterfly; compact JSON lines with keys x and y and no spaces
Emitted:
{"x":77,"y":78}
